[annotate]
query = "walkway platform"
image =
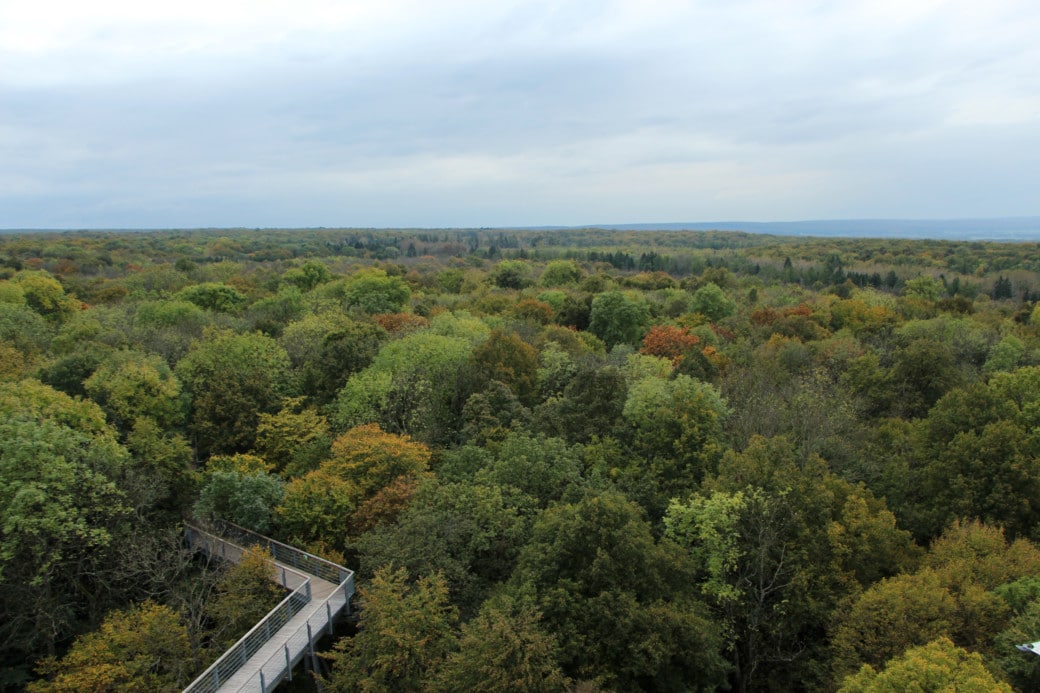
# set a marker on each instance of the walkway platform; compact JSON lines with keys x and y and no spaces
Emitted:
{"x":267,"y":654}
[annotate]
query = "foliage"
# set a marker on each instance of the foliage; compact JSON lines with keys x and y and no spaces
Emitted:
{"x":290,"y":439}
{"x":511,"y":274}
{"x":561,"y":273}
{"x":509,"y":360}
{"x":325,"y":349}
{"x":570,"y":571}
{"x":938,"y":666}
{"x":61,"y":510}
{"x":618,"y":318}
{"x":129,"y":385}
{"x":842,"y":371}
{"x":142,"y":649}
{"x":45,"y":295}
{"x":308,"y":275}
{"x":315,"y":507}
{"x":950,"y":596}
{"x":213,"y":296}
{"x":373,"y":291}
{"x":58,"y":496}
{"x":675,"y":429}
{"x":405,"y":633}
{"x":670,"y":342}
{"x":502,"y":649}
{"x":779,"y":543}
{"x":369,"y":458}
{"x":244,"y":594}
{"x":712,"y":302}
{"x":245,"y":498}
{"x":469,"y":533}
{"x":232,"y":379}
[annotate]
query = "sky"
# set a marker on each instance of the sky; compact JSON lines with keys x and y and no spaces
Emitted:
{"x":459,"y":113}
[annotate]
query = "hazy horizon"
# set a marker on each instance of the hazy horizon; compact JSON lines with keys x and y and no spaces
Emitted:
{"x":1014,"y":229}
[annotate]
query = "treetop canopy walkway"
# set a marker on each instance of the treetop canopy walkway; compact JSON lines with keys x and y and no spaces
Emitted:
{"x":266,"y":655}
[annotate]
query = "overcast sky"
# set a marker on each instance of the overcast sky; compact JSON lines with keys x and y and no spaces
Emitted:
{"x":495,"y":113}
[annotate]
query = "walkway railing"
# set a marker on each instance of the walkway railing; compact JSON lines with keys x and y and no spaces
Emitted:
{"x":284,"y":553}
{"x":267,"y":654}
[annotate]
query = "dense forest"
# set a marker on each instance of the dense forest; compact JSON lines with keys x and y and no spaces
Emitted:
{"x":578,"y":460}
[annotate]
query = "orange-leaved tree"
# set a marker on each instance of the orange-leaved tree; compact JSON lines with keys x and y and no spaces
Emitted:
{"x":670,"y":342}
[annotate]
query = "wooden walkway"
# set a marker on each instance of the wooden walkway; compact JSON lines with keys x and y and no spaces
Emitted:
{"x":267,"y":654}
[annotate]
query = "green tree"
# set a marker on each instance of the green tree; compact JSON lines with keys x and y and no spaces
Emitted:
{"x":503,"y":649}
{"x":1005,"y":355}
{"x":293,"y":441}
{"x":977,"y":455}
{"x":590,"y":406}
{"x":168,"y":327}
{"x":469,"y":533}
{"x":561,"y":273}
{"x":310,"y":274}
{"x":675,"y":428}
{"x":511,"y":274}
{"x":545,"y":469}
{"x":569,"y":570}
{"x":405,"y":633}
{"x":950,"y":596}
{"x":129,"y":385}
{"x":45,"y":294}
{"x":619,"y":318}
{"x":415,"y":385}
{"x":232,"y":379}
{"x":60,"y":509}
{"x":373,"y":291}
{"x":167,"y":458}
{"x":25,"y":329}
{"x":1022,"y":669}
{"x":247,"y":498}
{"x":213,"y":296}
{"x":489,"y":415}
{"x":317,"y":507}
{"x":779,"y":543}
{"x":924,"y":287}
{"x":57,"y":497}
{"x":325,"y":349}
{"x":712,"y":302}
{"x":890,"y":617}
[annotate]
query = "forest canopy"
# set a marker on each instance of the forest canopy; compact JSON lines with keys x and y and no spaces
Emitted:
{"x":570,"y":460}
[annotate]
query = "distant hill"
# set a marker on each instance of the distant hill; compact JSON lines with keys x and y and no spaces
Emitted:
{"x":1022,"y":229}
{"x":1005,"y":229}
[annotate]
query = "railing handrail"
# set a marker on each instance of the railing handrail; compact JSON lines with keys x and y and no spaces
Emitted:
{"x":338,"y":572}
{"x":312,"y":634}
{"x":300,"y":575}
{"x":210,"y":679}
{"x":242,"y":645}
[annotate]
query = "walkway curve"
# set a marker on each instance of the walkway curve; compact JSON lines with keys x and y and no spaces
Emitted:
{"x":266,"y":655}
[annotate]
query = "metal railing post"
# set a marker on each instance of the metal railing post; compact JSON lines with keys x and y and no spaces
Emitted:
{"x":239,"y":655}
